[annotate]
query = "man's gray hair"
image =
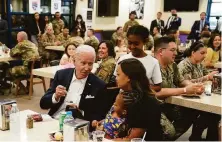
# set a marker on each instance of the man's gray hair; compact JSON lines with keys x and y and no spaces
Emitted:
{"x":23,"y":35}
{"x":85,"y":49}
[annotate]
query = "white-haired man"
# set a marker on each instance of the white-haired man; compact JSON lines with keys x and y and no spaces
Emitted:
{"x":84,"y":90}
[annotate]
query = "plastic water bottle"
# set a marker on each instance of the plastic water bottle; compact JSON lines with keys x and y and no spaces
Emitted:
{"x":68,"y":117}
{"x":14,"y":123}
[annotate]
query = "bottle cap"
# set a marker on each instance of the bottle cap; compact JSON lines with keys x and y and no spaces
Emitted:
{"x":69,"y":113}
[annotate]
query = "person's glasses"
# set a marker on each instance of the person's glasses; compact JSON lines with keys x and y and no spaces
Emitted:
{"x":172,"y":50}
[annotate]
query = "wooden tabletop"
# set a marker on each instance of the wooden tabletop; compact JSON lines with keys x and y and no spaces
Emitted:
{"x":56,"y":48}
{"x":204,"y":103}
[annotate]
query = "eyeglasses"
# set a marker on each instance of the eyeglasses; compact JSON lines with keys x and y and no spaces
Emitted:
{"x":172,"y":50}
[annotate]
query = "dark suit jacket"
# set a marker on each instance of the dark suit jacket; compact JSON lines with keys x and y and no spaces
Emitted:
{"x":33,"y":28}
{"x":174,"y":25}
{"x":196,"y":27}
{"x":94,"y":108}
{"x":154,"y":24}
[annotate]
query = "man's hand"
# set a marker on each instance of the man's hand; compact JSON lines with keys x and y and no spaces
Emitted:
{"x":57,"y":43}
{"x":60,"y":92}
{"x":194,"y":89}
{"x":211,"y":74}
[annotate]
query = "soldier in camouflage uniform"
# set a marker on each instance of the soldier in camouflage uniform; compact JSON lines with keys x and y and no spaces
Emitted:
{"x":118,"y":34}
{"x":92,"y":40}
{"x":25,"y":50}
{"x":192,"y":69}
{"x":63,"y":37}
{"x":58,"y":24}
{"x":181,"y":118}
{"x":149,"y":44}
{"x":106,"y":68}
{"x":48,"y":39}
{"x":131,"y":22}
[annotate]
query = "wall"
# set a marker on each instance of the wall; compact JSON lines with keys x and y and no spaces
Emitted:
{"x":150,"y":10}
{"x":188,"y":18}
{"x":110,"y":23}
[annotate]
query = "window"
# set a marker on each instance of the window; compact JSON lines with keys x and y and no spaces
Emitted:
{"x":214,"y":11}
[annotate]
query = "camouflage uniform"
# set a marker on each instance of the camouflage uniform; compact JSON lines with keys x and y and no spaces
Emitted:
{"x":26,"y":50}
{"x":106,"y":69}
{"x":181,"y":118}
{"x":47,"y":40}
{"x":92,"y":41}
{"x":191,"y":71}
{"x":62,"y":38}
{"x":129,"y":24}
{"x":149,"y":44}
{"x":77,"y":40}
{"x":58,"y":25}
{"x":115,"y":36}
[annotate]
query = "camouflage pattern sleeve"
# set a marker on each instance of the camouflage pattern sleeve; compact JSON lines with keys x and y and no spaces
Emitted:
{"x":185,"y":70}
{"x":95,"y":43}
{"x":46,"y":41}
{"x":136,"y":23}
{"x":178,"y":78}
{"x":205,"y":70}
{"x":16,"y":51}
{"x":59,"y":37}
{"x":106,"y":69}
{"x":125,"y":27}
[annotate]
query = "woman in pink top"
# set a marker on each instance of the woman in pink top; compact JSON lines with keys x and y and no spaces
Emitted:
{"x":68,"y":57}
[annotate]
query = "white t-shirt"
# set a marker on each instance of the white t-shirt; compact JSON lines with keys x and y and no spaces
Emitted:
{"x":151,"y":65}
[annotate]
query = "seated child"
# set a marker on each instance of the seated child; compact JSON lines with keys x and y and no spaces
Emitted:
{"x":115,"y":122}
{"x":67,"y":58}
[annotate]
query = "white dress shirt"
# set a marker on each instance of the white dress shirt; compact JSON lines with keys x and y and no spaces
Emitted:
{"x":74,"y":94}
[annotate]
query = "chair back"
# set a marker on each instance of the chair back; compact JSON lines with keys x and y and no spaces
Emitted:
{"x":54,"y":63}
{"x":35,"y":62}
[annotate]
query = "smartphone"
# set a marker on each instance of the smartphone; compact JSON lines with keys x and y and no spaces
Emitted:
{"x":192,"y":97}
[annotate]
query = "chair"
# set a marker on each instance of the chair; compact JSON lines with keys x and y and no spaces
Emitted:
{"x":32,"y":77}
{"x":54,"y":63}
{"x":3,"y":81}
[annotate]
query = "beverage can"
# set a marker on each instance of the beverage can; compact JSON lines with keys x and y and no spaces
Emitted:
{"x":61,"y":119}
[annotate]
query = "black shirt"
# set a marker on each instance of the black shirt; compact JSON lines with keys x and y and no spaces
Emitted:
{"x":146,"y":114}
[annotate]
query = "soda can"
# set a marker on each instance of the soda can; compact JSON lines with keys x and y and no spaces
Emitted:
{"x":61,"y":119}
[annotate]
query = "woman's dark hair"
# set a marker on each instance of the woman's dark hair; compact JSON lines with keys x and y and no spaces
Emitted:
{"x":79,"y":17}
{"x":118,"y":28}
{"x":136,"y":72}
{"x":66,"y":48}
{"x":211,"y":40}
{"x":110,"y":47}
{"x":193,"y":48}
{"x":139,"y":30}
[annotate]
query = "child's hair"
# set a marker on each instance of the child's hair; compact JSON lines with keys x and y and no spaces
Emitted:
{"x":66,"y":48}
{"x":139,"y":30}
{"x":130,"y":98}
